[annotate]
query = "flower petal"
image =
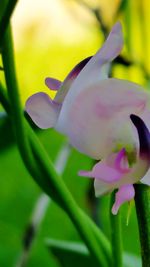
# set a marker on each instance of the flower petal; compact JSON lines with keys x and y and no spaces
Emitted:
{"x":146,"y":178}
{"x":97,"y":68}
{"x":113,"y":45}
{"x":144,"y":136}
{"x":102,"y":188}
{"x":124,"y":194}
{"x":69,"y":79}
{"x":144,"y":151}
{"x":76,"y":70}
{"x":109,"y":170}
{"x":103,"y":172}
{"x":42,"y":110}
{"x":98,"y":119}
{"x":121,"y":161}
{"x":52,"y":83}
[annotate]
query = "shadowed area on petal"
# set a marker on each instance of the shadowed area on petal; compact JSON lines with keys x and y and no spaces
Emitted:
{"x":42,"y":110}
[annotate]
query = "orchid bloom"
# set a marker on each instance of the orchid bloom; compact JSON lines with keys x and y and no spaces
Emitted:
{"x":104,"y":118}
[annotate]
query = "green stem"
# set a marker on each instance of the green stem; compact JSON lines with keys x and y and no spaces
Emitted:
{"x":40,"y":166}
{"x":103,"y":242}
{"x":4,"y":20}
{"x":142,"y":203}
{"x":16,"y":109}
{"x":116,"y":239}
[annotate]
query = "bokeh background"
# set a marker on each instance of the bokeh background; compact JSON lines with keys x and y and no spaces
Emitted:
{"x":50,"y":37}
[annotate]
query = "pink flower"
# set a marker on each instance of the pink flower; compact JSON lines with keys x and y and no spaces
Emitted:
{"x":105,"y":118}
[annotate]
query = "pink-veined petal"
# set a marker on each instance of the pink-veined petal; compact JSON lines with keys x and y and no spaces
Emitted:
{"x":135,"y":172}
{"x":98,"y":118}
{"x":115,"y":172}
{"x":52,"y":83}
{"x":124,"y":194}
{"x":42,"y":110}
{"x":121,"y":161}
{"x":103,"y":172}
{"x":132,"y":176}
{"x":110,"y":170}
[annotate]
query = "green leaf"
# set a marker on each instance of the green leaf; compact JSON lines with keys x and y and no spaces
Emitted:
{"x":76,"y":254}
{"x":122,"y":6}
{"x":70,"y":253}
{"x":6,"y":133}
{"x":6,"y":7}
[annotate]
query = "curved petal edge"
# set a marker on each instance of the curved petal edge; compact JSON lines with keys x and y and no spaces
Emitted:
{"x":42,"y":110}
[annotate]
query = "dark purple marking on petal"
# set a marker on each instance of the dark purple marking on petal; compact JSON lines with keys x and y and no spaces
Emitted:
{"x":76,"y":70}
{"x":65,"y":86}
{"x":144,"y":135}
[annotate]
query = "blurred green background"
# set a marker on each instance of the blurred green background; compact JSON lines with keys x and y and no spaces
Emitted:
{"x":50,"y":37}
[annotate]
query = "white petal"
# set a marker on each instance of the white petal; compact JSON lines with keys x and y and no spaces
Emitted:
{"x":42,"y":110}
{"x":65,"y":86}
{"x":98,"y":118}
{"x":102,"y":188}
{"x":97,"y":67}
{"x":146,"y":178}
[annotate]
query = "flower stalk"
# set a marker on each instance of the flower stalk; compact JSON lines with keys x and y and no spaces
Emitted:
{"x":142,"y":203}
{"x":4,"y":20}
{"x":116,"y":237}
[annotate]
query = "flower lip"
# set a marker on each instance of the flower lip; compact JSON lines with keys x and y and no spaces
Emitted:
{"x":144,"y":136}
